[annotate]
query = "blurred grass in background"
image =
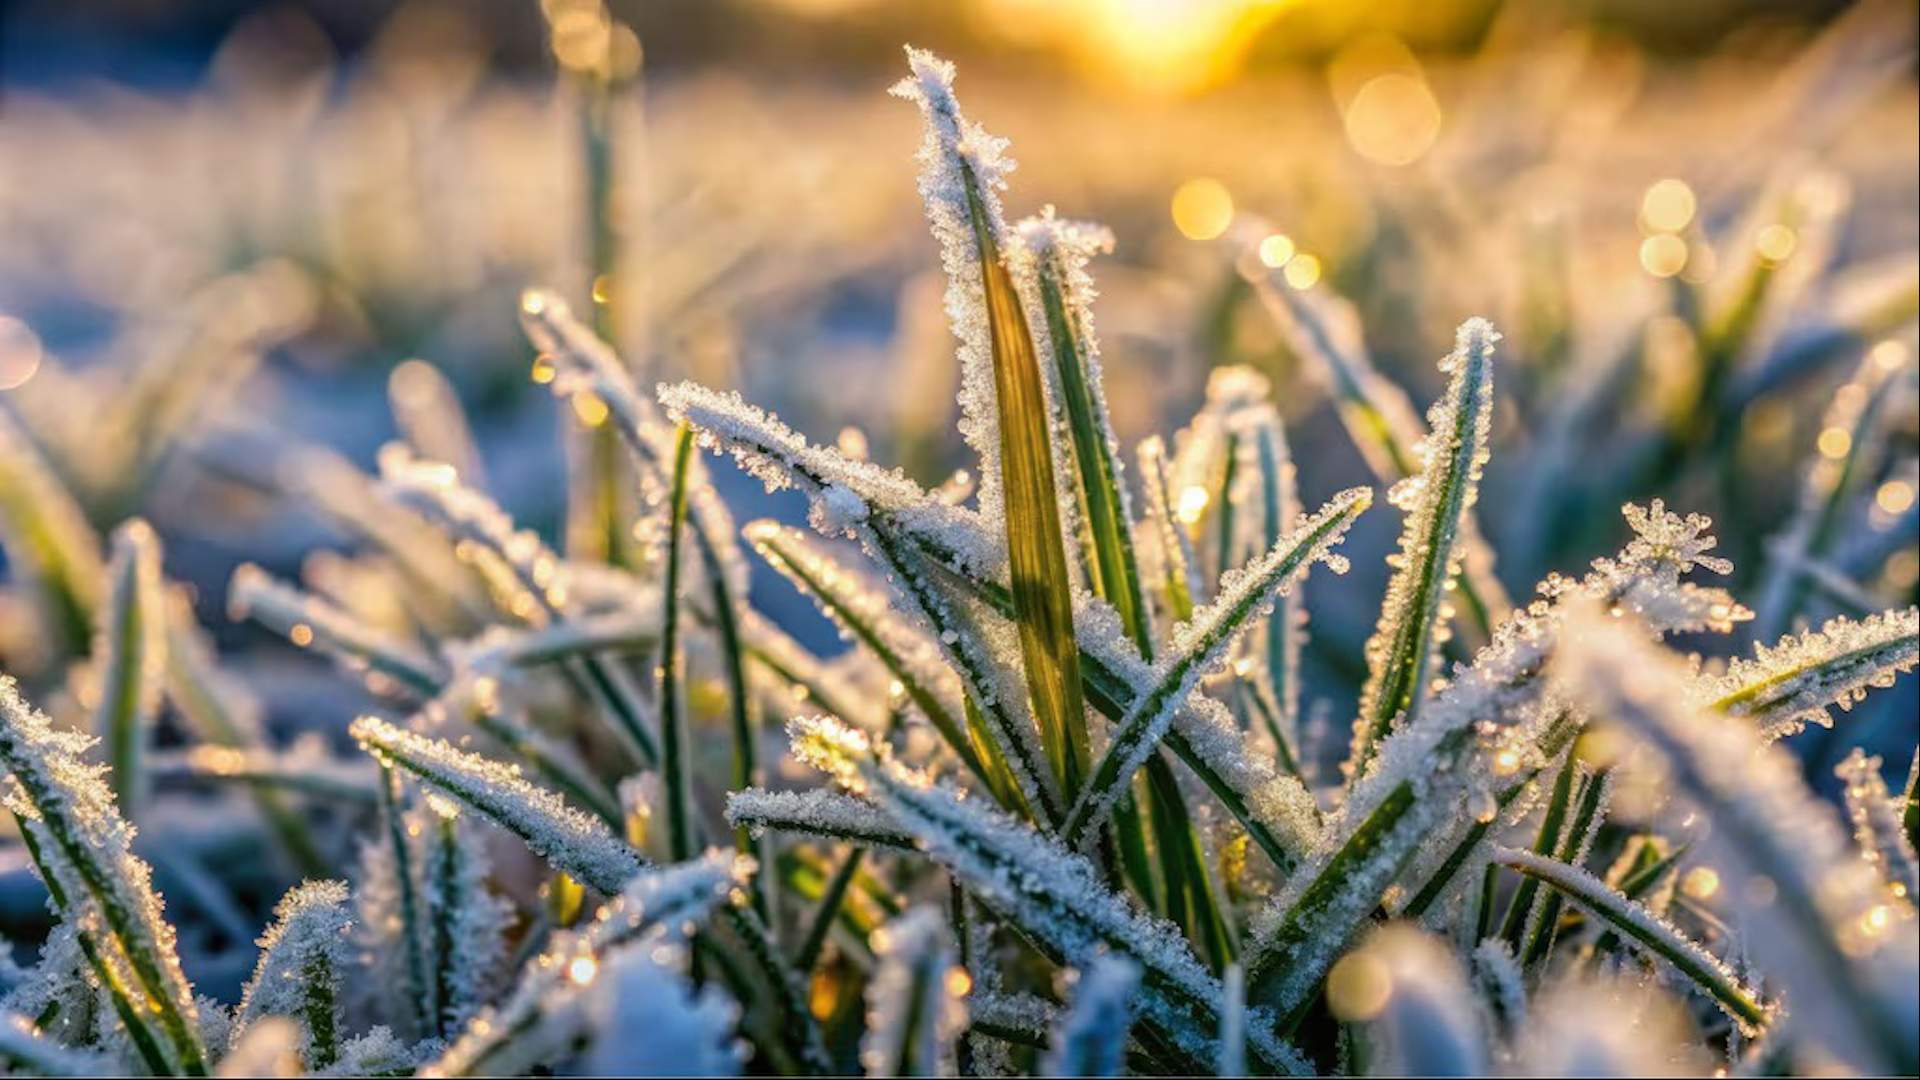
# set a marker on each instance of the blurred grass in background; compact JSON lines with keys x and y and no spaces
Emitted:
{"x":227,"y":224}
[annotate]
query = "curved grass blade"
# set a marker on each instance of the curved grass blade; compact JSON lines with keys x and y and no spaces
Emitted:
{"x":311,"y":622}
{"x":1402,"y":652}
{"x":1377,"y":415}
{"x":866,"y":615}
{"x":572,"y":841}
{"x":1794,"y":682}
{"x":1653,"y":934}
{"x":47,"y":537}
{"x":1876,"y":824}
{"x":925,"y":546}
{"x":1849,"y":974}
{"x":1831,"y":484}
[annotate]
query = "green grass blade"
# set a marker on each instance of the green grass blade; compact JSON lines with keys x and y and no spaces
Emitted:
{"x":145,"y":1039}
{"x":864,"y":615}
{"x":1176,"y":551}
{"x":1036,"y":551}
{"x":819,"y":812}
{"x":413,"y":920}
{"x":675,"y":769}
{"x":827,"y":910}
{"x":1061,"y":250}
{"x":86,"y":844}
{"x":1652,"y":933}
{"x":310,"y":622}
{"x":1402,"y":652}
{"x":1377,"y":415}
{"x":1198,"y":644}
{"x":1545,"y":842}
{"x":1794,"y":681}
{"x":130,"y":658}
{"x":47,"y":537}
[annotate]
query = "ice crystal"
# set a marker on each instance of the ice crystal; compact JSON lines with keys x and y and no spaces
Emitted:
{"x":1877,"y":826}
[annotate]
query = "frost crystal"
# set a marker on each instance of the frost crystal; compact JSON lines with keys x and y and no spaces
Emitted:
{"x":1877,"y":826}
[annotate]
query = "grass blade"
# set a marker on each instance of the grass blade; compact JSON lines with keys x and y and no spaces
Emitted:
{"x":302,"y":958}
{"x":675,"y":770}
{"x":1377,"y":415}
{"x":86,"y":844}
{"x":47,"y":537}
{"x":820,"y":812}
{"x":1794,"y":682}
{"x":130,"y":658}
{"x":1846,"y":972}
{"x":1060,"y":251}
{"x":310,"y":622}
{"x":1402,"y":652}
{"x":1652,"y":933}
{"x":1199,"y":643}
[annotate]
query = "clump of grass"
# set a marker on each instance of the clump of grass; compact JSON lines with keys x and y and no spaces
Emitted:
{"x":1065,"y":751}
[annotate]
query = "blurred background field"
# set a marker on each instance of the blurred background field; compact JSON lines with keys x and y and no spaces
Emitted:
{"x":231,"y":228}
